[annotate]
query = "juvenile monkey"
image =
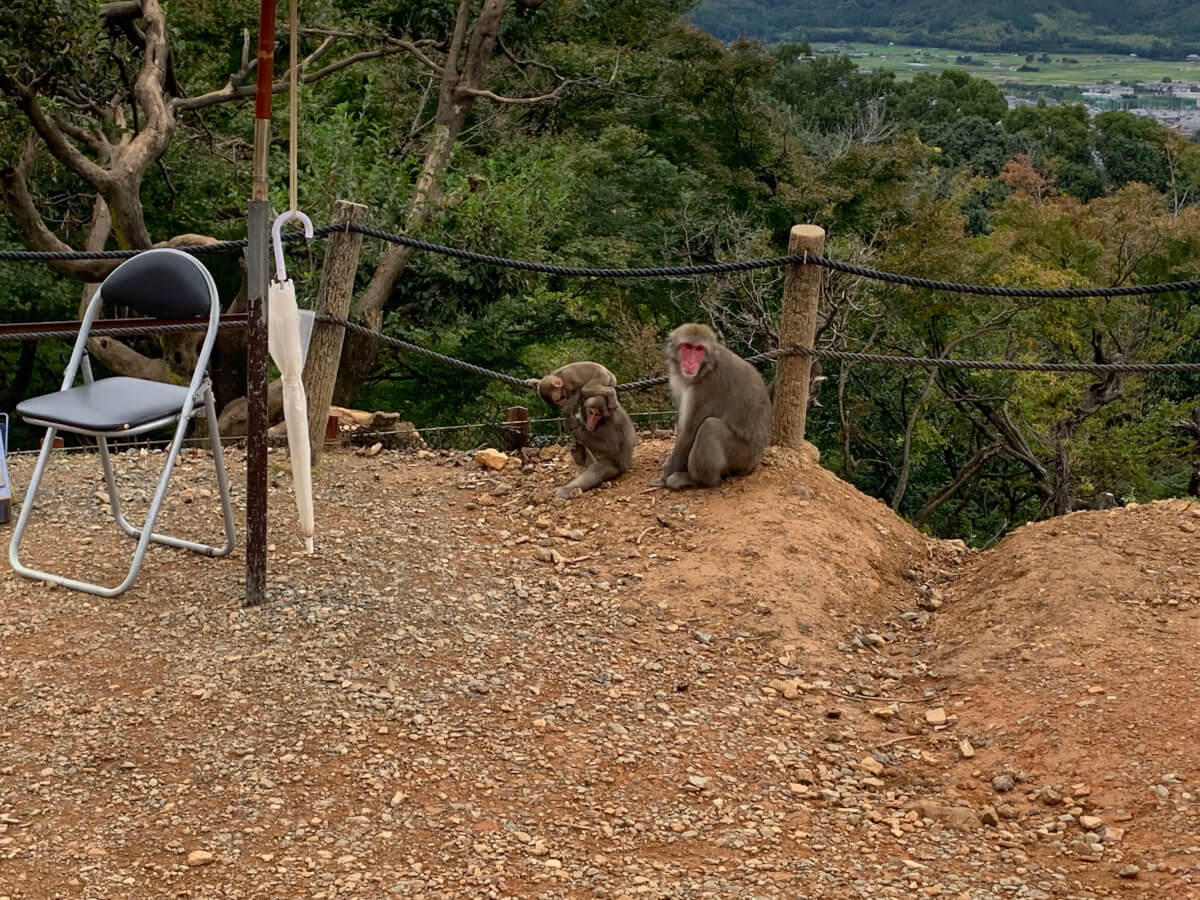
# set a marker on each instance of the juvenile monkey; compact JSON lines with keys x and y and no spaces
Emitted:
{"x":604,"y":435}
{"x":587,"y":379}
{"x":724,"y":410}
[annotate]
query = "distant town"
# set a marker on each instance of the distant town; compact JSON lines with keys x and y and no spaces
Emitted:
{"x":1179,"y":112}
{"x":1164,"y":90}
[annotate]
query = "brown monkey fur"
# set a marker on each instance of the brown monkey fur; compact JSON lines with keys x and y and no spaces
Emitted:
{"x":604,"y":435}
{"x":724,"y":410}
{"x":587,"y":379}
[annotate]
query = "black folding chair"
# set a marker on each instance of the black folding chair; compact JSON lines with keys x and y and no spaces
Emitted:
{"x":165,"y":284}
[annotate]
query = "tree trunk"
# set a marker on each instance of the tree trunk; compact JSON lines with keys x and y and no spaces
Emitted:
{"x":456,"y":99}
{"x":124,"y":197}
{"x":233,"y":418}
{"x":1099,"y":394}
{"x":333,"y":299}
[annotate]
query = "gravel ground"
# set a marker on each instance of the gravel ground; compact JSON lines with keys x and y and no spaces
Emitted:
{"x":473,"y":691}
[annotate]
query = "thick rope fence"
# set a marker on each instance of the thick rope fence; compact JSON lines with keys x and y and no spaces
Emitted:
{"x":721,"y":268}
{"x":470,"y":256}
{"x":924,"y":362}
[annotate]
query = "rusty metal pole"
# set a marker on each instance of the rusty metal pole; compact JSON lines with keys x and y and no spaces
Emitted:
{"x":256,"y":334}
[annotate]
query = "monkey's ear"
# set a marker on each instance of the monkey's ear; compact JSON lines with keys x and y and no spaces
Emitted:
{"x":556,"y":381}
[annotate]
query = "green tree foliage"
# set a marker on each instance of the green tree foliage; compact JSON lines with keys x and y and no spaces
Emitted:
{"x":668,"y":146}
{"x":1131,"y":149}
{"x":1059,"y":140}
{"x":951,"y":94}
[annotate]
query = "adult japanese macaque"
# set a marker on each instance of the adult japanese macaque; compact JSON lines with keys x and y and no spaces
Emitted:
{"x":604,"y":439}
{"x":585,"y":379}
{"x":724,"y":410}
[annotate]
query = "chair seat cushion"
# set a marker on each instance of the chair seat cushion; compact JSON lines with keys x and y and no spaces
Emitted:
{"x":110,"y":404}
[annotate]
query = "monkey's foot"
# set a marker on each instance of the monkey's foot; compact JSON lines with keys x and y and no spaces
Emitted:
{"x":566,"y":492}
{"x":677,"y":481}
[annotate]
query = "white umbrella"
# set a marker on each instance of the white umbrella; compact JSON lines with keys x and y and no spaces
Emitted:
{"x":283,"y":341}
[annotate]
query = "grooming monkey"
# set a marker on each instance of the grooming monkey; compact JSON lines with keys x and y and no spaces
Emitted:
{"x":724,"y":410}
{"x":587,"y":379}
{"x":604,"y":439}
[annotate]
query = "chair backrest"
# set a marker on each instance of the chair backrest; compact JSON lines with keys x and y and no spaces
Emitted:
{"x":163,"y":283}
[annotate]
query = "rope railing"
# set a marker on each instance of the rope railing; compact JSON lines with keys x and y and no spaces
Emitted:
{"x":38,"y":331}
{"x":290,"y":237}
{"x":945,"y":362}
{"x":649,"y":272}
{"x":64,"y":331}
{"x":511,"y":380}
{"x":117,"y":330}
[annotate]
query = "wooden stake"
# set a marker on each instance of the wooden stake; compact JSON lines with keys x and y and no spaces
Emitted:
{"x":798,"y":327}
{"x":516,"y":435}
{"x":333,"y":299}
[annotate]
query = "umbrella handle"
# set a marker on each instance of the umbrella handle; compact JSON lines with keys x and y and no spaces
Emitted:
{"x":277,"y":238}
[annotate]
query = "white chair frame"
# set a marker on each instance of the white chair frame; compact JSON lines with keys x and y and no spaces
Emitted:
{"x":199,"y":396}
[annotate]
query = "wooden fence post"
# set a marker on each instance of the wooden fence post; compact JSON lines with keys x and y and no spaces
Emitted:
{"x":516,"y":435}
{"x":333,"y":299}
{"x":797,"y":328}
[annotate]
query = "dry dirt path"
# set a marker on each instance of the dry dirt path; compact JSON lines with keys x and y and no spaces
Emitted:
{"x":473,"y":691}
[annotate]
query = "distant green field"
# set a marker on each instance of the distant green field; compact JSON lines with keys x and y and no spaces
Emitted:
{"x":1091,"y":68}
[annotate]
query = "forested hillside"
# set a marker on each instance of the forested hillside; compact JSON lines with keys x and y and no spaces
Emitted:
{"x":1159,"y":28}
{"x":612,"y":133}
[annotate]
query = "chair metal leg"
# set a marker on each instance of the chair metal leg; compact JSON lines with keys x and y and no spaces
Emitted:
{"x":145,"y":534}
{"x":26,"y":510}
{"x":210,"y":409}
{"x":114,"y":497}
{"x":222,"y":485}
{"x":35,"y":480}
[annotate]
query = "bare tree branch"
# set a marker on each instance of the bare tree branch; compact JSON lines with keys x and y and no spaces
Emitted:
{"x":541,"y":98}
{"x":58,"y":143}
{"x":14,"y":184}
{"x":237,"y":91}
{"x":413,"y":48}
{"x":93,"y":137}
{"x":968,"y":471}
{"x":918,"y":407}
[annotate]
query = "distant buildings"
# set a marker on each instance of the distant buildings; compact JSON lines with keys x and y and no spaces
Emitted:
{"x":1175,"y":104}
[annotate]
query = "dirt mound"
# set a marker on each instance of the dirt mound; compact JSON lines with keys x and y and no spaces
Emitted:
{"x":1072,"y":649}
{"x":1072,"y":580}
{"x":794,"y":553}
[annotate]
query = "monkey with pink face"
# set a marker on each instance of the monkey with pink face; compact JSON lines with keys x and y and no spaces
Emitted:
{"x":603,"y":432}
{"x":604,"y":438}
{"x":724,"y":410}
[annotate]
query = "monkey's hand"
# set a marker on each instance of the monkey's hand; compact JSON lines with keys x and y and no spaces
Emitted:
{"x":660,"y":481}
{"x":568,"y":492}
